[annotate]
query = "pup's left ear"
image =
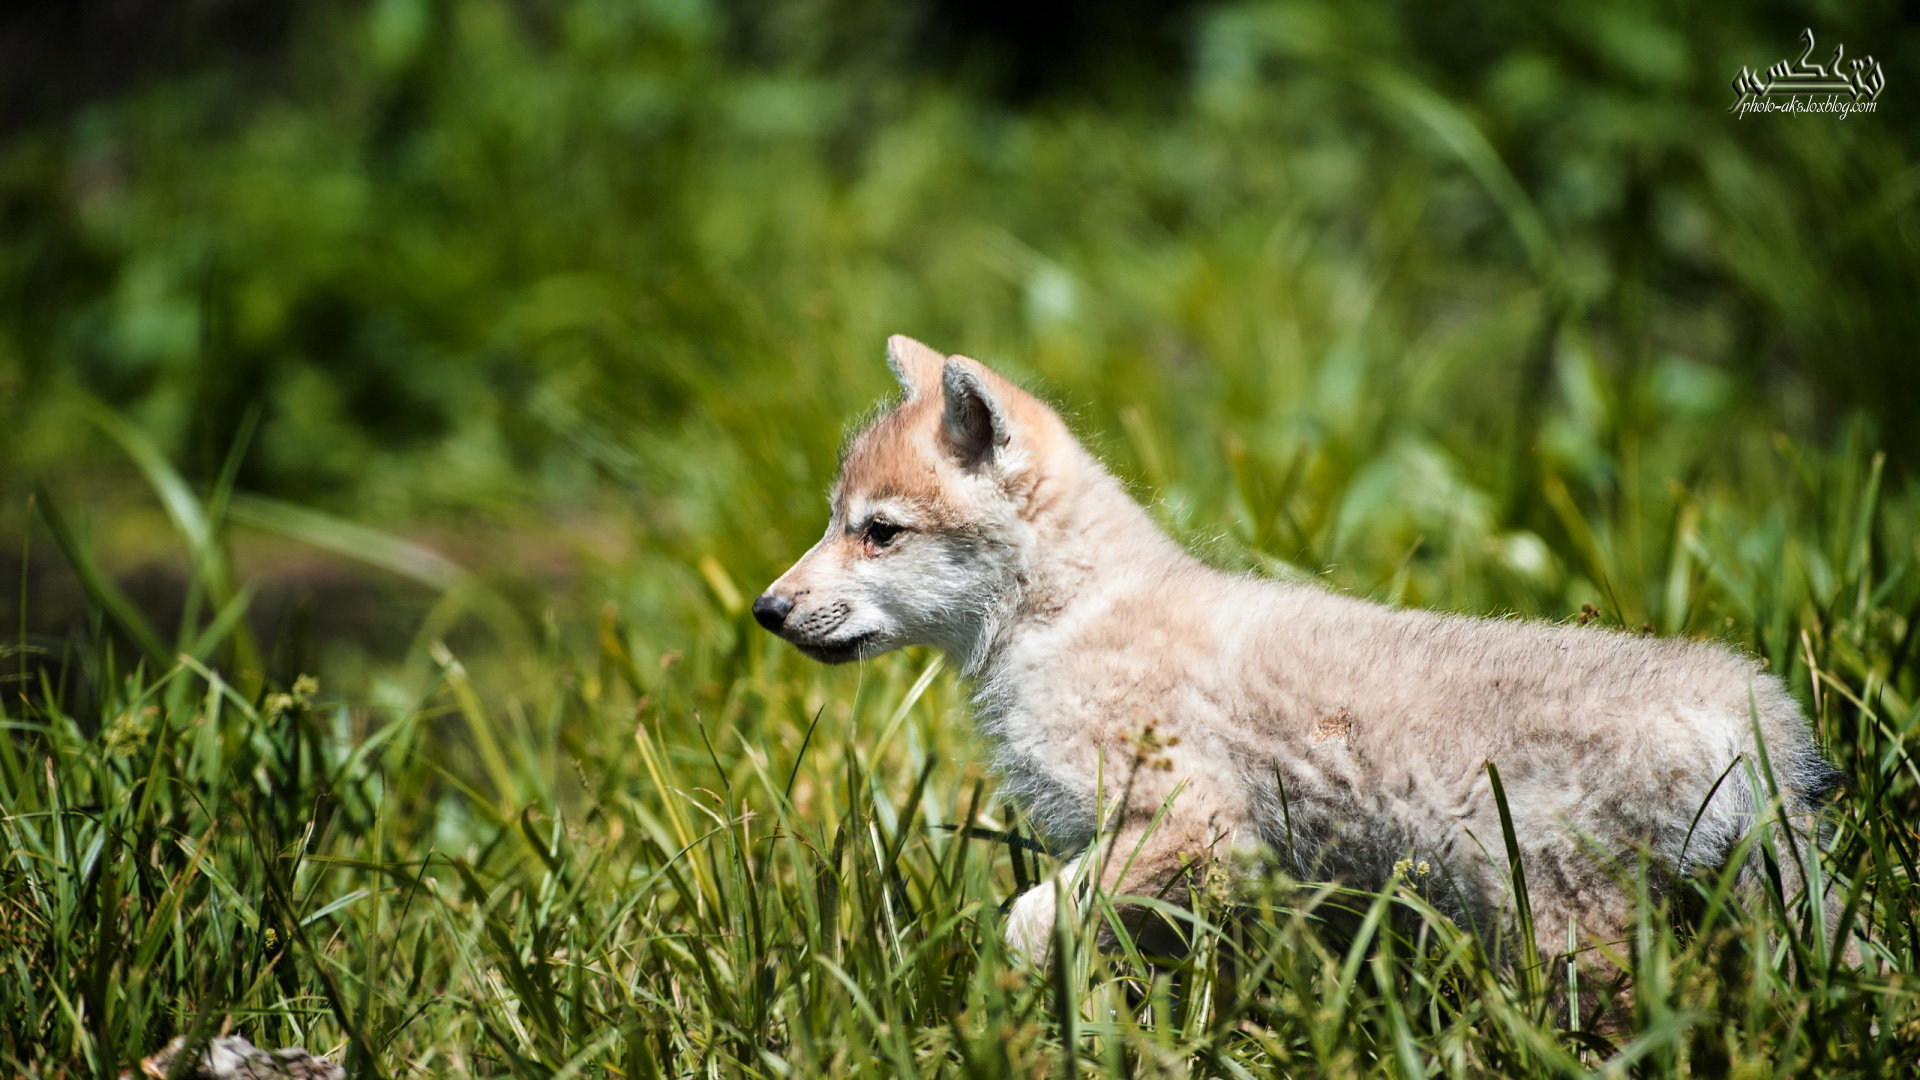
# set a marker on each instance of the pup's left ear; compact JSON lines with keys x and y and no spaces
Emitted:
{"x":974,"y":422}
{"x":915,"y":365}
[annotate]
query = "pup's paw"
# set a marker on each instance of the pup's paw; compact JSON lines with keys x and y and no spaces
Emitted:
{"x":1030,"y":924}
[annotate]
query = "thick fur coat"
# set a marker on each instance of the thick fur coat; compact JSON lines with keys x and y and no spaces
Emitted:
{"x":1118,"y":678}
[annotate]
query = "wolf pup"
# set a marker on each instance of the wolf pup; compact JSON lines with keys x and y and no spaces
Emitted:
{"x":1338,"y":738}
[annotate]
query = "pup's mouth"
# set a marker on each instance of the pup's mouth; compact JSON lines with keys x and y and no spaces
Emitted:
{"x":839,"y":652}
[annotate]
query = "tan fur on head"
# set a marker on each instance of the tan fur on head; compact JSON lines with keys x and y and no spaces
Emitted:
{"x":969,"y":518}
{"x":915,"y":365}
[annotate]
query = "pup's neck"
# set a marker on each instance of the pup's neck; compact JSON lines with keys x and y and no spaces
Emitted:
{"x":1091,"y":549}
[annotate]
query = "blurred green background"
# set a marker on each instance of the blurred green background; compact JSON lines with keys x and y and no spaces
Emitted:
{"x":484,"y":359}
{"x":1470,"y":306}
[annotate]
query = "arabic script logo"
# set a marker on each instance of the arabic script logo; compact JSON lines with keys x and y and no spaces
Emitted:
{"x":1795,"y":87}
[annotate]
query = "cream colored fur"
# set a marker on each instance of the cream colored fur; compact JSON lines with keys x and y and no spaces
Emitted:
{"x":1080,"y":624}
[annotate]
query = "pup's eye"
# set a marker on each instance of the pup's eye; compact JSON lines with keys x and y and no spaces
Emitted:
{"x":879,"y":534}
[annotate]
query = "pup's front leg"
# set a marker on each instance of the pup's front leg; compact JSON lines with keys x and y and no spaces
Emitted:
{"x":1145,"y":859}
{"x":1031,"y":919}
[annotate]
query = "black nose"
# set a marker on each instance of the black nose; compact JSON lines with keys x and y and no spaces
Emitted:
{"x":771,"y":610}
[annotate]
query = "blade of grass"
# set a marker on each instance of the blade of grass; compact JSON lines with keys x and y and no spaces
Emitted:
{"x":1523,"y":905}
{"x":100,"y":588}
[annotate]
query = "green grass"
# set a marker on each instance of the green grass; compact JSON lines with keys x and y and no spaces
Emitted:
{"x":456,"y":301}
{"x":737,"y":862}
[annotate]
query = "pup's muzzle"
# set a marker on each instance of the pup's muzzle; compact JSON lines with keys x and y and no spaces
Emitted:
{"x":771,"y":610}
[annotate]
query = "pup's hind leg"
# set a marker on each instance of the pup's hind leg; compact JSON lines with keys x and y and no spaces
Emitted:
{"x":1590,"y":930}
{"x":1802,"y":834}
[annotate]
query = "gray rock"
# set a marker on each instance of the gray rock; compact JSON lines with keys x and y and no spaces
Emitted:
{"x":234,"y":1058}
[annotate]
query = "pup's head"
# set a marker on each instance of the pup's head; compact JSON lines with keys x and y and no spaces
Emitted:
{"x":932,"y":525}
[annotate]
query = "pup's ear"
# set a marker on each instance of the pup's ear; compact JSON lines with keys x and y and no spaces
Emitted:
{"x":974,"y":423}
{"x":915,"y":365}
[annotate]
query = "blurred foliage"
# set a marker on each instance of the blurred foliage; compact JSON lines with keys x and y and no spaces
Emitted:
{"x":482,"y":255}
{"x":554,"y":314}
